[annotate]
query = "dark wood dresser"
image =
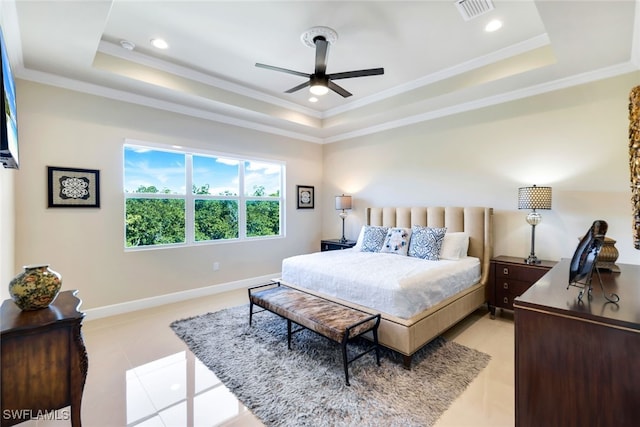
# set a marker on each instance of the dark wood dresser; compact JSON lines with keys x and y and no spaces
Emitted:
{"x":44,"y":360}
{"x":578,"y":363}
{"x":510,"y":277}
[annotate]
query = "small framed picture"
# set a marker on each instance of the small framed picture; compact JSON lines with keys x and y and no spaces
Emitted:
{"x":73,"y":188}
{"x":305,"y":197}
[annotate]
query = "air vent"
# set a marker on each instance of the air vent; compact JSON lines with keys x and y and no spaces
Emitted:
{"x":470,"y":9}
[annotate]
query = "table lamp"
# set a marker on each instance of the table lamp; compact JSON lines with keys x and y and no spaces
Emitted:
{"x":343,"y":203}
{"x":534,"y":198}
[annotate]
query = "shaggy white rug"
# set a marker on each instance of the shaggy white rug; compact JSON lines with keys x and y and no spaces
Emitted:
{"x":306,"y":386}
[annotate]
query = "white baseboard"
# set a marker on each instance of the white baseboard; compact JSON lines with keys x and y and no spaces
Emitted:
{"x":141,"y":304}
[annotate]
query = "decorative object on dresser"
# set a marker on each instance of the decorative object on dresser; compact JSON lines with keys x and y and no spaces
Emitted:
{"x":511,"y":277}
{"x":336,"y":244}
{"x":35,"y":287}
{"x":343,"y":203}
{"x":608,"y":256}
{"x":306,"y":198}
{"x":44,"y":361}
{"x":583,"y":263}
{"x":634,"y":160}
{"x":73,"y":188}
{"x":576,"y":364}
{"x":534,"y":198}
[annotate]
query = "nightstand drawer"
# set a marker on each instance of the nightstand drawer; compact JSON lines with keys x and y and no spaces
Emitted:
{"x":529,"y":273}
{"x":507,"y":290}
{"x":515,"y":287}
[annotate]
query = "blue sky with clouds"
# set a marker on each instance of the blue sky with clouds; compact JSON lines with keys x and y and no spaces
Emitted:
{"x":166,"y":170}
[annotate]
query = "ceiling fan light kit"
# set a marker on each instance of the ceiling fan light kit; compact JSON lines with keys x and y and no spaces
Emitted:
{"x":319,"y":89}
{"x":320,"y":82}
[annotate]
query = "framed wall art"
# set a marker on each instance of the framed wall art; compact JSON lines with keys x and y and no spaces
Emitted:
{"x":305,"y":197}
{"x":73,"y":188}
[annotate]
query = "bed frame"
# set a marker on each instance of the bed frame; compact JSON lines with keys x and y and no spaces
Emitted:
{"x":406,"y":336}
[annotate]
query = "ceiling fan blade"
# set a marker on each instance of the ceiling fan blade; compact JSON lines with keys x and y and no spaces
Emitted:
{"x":338,"y":89}
{"x":358,"y":73}
{"x":321,"y":55}
{"x":283,"y":70}
{"x":297,"y":88}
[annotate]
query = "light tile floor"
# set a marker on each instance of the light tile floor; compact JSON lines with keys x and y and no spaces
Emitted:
{"x":142,"y":374}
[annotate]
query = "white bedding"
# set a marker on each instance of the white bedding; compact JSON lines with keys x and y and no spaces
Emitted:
{"x":398,"y":285}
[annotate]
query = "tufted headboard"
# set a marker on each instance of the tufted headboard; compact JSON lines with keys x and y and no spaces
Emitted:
{"x":476,"y":221}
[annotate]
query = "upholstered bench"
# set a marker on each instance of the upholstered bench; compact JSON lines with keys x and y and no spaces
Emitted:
{"x":327,"y":318}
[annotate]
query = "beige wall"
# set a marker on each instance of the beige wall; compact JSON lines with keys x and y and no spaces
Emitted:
{"x":574,"y":140}
{"x":64,"y":128}
{"x":7,"y":228}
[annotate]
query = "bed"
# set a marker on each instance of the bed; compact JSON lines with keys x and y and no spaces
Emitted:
{"x":412,"y":314}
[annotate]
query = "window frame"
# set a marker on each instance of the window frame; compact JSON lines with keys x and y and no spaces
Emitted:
{"x":189,"y":197}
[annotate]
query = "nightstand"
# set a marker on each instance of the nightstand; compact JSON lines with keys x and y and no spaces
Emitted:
{"x":510,"y":277}
{"x":336,"y":244}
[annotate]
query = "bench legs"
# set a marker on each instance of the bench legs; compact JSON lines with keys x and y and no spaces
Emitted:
{"x":349,"y":332}
{"x":375,"y":346}
{"x":345,"y":356}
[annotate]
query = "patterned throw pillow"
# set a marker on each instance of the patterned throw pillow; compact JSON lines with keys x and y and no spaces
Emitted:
{"x":396,"y":241}
{"x":373,"y":238}
{"x":426,"y":242}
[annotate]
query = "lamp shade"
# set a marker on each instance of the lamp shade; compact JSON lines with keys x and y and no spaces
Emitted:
{"x":534,"y":198}
{"x":343,"y":202}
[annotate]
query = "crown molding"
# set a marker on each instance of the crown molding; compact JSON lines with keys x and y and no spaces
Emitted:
{"x":97,"y":90}
{"x":464,"y":67}
{"x":187,"y":73}
{"x":559,"y":84}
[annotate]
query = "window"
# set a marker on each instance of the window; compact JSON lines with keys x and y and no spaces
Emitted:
{"x":228,"y":198}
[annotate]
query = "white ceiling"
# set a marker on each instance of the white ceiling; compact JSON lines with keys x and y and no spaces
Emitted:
{"x":435,"y":62}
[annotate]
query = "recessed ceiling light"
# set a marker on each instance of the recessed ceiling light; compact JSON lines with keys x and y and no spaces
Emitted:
{"x":126,"y":44}
{"x":159,"y":43}
{"x":494,"y":25}
{"x":313,"y":99}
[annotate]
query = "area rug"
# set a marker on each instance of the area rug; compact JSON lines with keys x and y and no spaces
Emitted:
{"x":305,"y":386}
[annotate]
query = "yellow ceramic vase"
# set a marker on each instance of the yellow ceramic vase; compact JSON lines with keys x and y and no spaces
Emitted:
{"x":36,"y":287}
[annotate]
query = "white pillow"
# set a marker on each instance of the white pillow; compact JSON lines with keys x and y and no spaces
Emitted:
{"x":455,"y":246}
{"x":358,"y":244}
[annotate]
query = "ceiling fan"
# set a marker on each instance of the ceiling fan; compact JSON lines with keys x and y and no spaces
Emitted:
{"x":320,"y":82}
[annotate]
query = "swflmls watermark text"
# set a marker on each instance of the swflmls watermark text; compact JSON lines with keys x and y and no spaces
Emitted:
{"x":26,"y":414}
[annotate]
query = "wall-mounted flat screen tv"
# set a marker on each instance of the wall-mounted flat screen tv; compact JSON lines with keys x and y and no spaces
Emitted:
{"x":8,"y":120}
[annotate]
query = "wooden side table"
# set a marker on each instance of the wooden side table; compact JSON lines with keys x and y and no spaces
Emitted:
{"x":44,"y":360}
{"x":510,"y":277}
{"x":336,"y":245}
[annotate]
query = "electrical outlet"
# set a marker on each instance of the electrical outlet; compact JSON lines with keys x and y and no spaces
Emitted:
{"x":216,"y":266}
